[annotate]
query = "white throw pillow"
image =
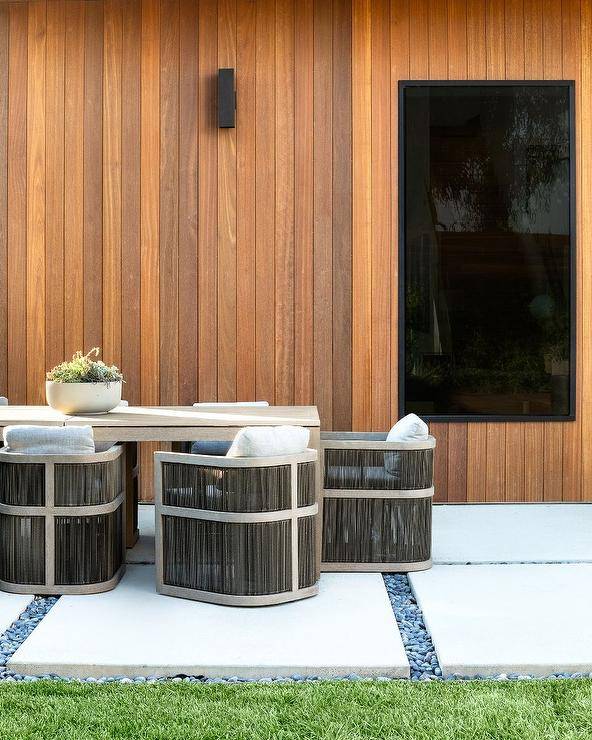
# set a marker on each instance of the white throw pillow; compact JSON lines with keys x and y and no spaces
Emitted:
{"x":3,"y":401}
{"x":409,"y":429}
{"x":39,"y":440}
{"x":233,"y":403}
{"x":269,"y":441}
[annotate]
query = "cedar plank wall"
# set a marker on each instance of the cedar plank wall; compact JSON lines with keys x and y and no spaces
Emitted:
{"x":259,"y":262}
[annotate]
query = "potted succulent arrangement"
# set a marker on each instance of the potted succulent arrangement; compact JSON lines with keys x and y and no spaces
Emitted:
{"x":84,"y":385}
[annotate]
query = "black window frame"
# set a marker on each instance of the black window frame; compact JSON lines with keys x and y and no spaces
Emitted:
{"x":464,"y":418}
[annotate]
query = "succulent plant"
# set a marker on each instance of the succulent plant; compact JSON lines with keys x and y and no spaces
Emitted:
{"x":84,"y":369}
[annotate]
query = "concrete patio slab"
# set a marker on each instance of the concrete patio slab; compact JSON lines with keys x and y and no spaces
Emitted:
{"x":143,"y":551}
{"x":131,"y":631}
{"x":512,"y":533}
{"x":492,"y":619}
{"x":11,"y":607}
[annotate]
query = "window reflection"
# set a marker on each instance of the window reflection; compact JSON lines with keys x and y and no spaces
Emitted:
{"x":487,"y":250}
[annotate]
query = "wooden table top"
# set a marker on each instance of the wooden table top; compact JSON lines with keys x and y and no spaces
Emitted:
{"x":167,"y":416}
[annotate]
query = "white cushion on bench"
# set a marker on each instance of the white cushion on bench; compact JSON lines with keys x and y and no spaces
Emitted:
{"x":409,"y":429}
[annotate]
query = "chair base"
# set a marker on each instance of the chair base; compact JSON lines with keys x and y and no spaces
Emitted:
{"x":63,"y":590}
{"x":376,"y":567}
{"x":234,"y":600}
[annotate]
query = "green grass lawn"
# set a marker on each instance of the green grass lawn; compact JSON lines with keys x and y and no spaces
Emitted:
{"x":542,"y":710}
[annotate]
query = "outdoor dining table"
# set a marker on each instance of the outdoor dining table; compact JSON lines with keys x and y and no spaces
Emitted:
{"x":132,"y":424}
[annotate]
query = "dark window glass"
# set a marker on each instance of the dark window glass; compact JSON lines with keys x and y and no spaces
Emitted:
{"x":486,"y":187}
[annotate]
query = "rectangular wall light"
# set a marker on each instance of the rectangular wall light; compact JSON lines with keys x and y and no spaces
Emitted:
{"x":226,"y":98}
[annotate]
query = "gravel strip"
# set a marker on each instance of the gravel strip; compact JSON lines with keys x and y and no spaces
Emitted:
{"x":20,"y":629}
{"x":418,"y":644}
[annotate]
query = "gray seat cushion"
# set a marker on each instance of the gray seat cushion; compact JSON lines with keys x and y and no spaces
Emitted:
{"x":216,"y":447}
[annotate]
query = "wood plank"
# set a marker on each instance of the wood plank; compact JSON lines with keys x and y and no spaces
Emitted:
{"x":553,"y":465}
{"x":380,"y":214}
{"x":149,"y":188}
{"x":534,"y":459}
{"x":74,"y":176}
{"x":303,"y":215}
{"x":476,"y":43}
{"x":514,"y":54}
{"x":284,"y":202}
{"x":533,"y":39}
{"x":552,"y":40}
{"x":514,"y":39}
{"x":362,"y":216}
{"x":169,"y":202}
{"x":419,"y":50}
{"x":4,"y":36}
{"x":36,"y":203}
{"x":476,"y":462}
{"x":55,"y":184}
{"x":342,"y":213}
{"x":572,"y":431}
{"x":188,"y":206}
{"x":112,"y":195}
{"x":265,"y":200}
{"x":440,"y":432}
{"x":130,"y":201}
{"x":496,"y":462}
{"x":227,"y":274}
{"x":207,"y":203}
{"x":534,"y":435}
{"x":585,"y":236}
{"x":495,"y":37}
{"x":438,"y":39}
{"x":400,"y":44}
{"x":93,"y":170}
{"x":323,"y":212}
{"x":457,"y":39}
{"x":245,"y":204}
{"x":457,"y":462}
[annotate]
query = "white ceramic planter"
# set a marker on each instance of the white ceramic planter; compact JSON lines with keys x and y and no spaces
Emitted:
{"x":82,"y":398}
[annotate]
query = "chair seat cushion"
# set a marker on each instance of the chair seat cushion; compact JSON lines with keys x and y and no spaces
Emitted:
{"x":215,"y":447}
{"x":269,"y":441}
{"x":39,"y":440}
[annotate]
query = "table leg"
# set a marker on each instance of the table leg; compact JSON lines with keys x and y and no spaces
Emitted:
{"x":131,"y":493}
{"x":315,"y":444}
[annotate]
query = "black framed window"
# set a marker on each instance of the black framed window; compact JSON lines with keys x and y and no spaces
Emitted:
{"x":487,"y":250}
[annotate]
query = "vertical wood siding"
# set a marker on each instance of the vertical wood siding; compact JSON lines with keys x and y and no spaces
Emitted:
{"x":260,"y":261}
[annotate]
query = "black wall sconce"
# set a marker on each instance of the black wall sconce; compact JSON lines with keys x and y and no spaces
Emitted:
{"x":226,"y":98}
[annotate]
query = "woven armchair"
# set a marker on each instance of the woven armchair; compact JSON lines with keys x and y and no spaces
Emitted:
{"x":236,"y":531}
{"x":62,"y":522}
{"x":377,"y":503}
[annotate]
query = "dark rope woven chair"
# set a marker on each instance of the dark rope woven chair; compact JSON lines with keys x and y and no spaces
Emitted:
{"x":377,"y":503}
{"x":62,"y":528}
{"x":236,"y":531}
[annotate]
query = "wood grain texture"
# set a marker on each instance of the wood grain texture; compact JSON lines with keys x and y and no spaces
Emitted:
{"x":112,"y":204}
{"x":342,"y":223}
{"x":261,"y":261}
{"x":207,"y":316}
{"x":245,"y":204}
{"x":227,"y":276}
{"x":304,"y":194}
{"x":74,"y":176}
{"x":323,"y":209}
{"x":54,"y":185}
{"x":362,"y":215}
{"x":168,"y":268}
{"x":4,"y":38}
{"x":36,"y":201}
